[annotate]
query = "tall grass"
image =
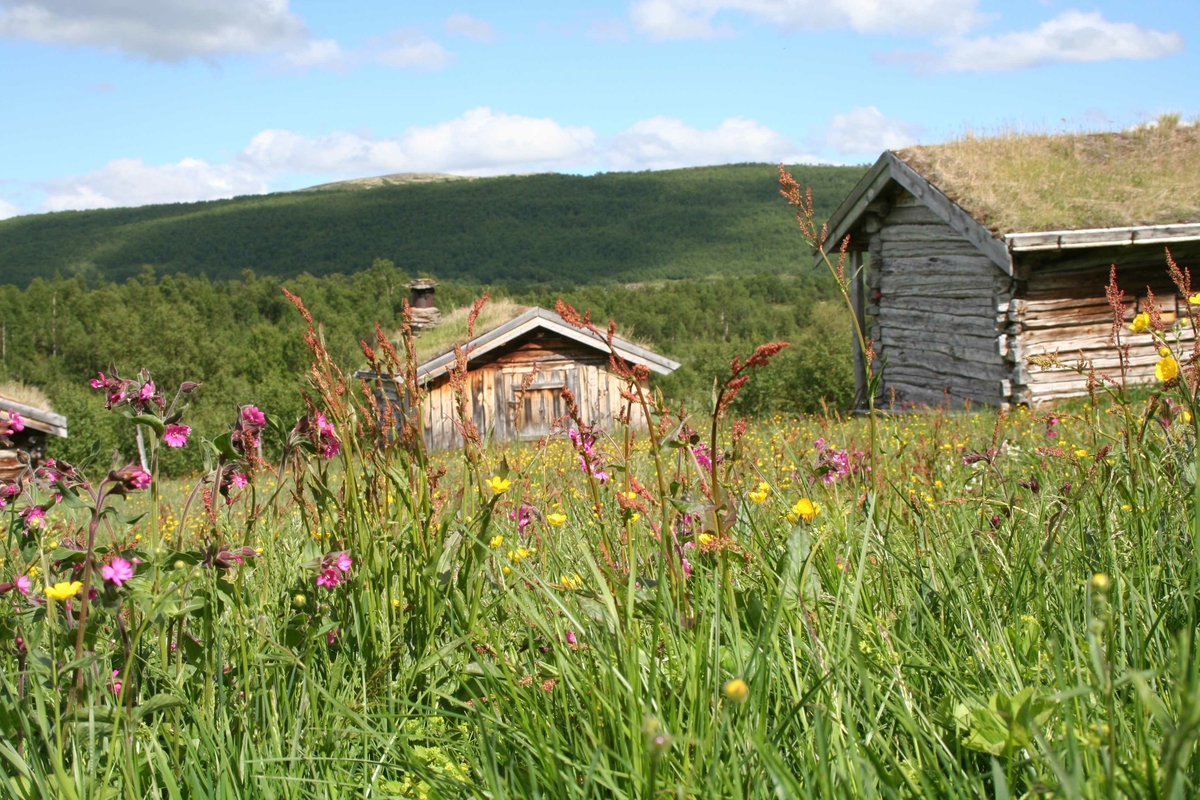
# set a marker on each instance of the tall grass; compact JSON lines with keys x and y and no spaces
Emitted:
{"x":943,"y":605}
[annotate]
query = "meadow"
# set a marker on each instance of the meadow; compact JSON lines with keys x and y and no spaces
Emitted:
{"x":922,"y":604}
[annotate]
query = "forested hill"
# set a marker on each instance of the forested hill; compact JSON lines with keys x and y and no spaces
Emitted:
{"x":563,"y":229}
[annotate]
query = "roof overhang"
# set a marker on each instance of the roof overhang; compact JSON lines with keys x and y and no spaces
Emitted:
{"x":529,"y":321}
{"x":1102,"y":237}
{"x":889,"y":170}
{"x":37,"y":418}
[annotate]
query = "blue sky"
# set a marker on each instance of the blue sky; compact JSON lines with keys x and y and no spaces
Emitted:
{"x":125,"y":102}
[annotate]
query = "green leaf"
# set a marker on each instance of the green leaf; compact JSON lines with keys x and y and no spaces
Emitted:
{"x":159,"y":702}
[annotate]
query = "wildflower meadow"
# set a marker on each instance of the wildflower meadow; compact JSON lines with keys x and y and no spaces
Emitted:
{"x":898,"y":603}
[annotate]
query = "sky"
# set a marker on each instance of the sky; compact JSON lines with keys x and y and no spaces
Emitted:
{"x":107,"y":103}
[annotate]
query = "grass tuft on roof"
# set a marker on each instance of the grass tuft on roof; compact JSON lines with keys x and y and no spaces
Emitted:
{"x":452,"y":329}
{"x":1017,"y":182}
{"x":25,"y":394}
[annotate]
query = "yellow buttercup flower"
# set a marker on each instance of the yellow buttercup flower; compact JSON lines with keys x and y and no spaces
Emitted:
{"x":737,"y":690}
{"x":498,"y":485}
{"x":704,"y":538}
{"x":63,"y":590}
{"x":1167,"y":369}
{"x":804,"y":509}
{"x":1081,"y":453}
{"x":1195,"y":299}
{"x":1164,"y":351}
{"x":556,"y":519}
{"x":762,"y":493}
{"x":1140,"y":323}
{"x":496,"y":541}
{"x":571,"y":582}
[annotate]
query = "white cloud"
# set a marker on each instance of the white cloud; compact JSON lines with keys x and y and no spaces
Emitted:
{"x":160,"y":30}
{"x":606,"y":30}
{"x":8,"y":210}
{"x":317,"y":53}
{"x":130,"y":181}
{"x":1071,"y":37}
{"x":175,"y":30}
{"x":693,"y":19}
{"x":479,"y":142}
{"x":407,"y":47}
{"x":466,"y":25}
{"x":866,"y":131}
{"x":664,"y":143}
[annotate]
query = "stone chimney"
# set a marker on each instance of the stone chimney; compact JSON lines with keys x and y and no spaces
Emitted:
{"x":425,"y":314}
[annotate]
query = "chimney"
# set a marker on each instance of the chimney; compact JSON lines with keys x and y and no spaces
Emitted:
{"x":424,"y":314}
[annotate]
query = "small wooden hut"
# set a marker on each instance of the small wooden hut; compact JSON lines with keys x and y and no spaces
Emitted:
{"x":510,"y":405}
{"x":28,"y":446}
{"x":972,"y":256}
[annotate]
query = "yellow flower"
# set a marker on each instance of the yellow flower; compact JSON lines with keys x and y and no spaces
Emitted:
{"x":1187,"y":418}
{"x":1167,"y":369}
{"x":498,"y":485}
{"x":762,"y":493}
{"x":737,"y":690}
{"x":1195,"y":299}
{"x":520,"y":553}
{"x":33,"y":571}
{"x":635,"y":516}
{"x":556,"y":519}
{"x":571,"y":582}
{"x":704,"y":538}
{"x":496,"y":541}
{"x":1140,"y":322}
{"x":63,"y":590}
{"x":1164,"y":351}
{"x":805,"y":509}
{"x":1081,"y":453}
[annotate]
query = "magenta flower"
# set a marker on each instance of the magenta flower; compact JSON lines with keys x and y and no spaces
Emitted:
{"x":329,"y":578}
{"x":15,"y":422}
{"x":176,"y":435}
{"x":238,"y":479}
{"x":23,"y":584}
{"x":147,"y":390}
{"x":116,"y":684}
{"x":571,"y":640}
{"x":252,"y":415}
{"x":139,"y":478}
{"x":118,"y":571}
{"x":35,"y":517}
{"x":99,"y":382}
{"x":343,"y":562}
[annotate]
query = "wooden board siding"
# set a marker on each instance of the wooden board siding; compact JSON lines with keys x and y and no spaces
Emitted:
{"x":939,"y":310}
{"x":1065,"y":312}
{"x":505,"y":408}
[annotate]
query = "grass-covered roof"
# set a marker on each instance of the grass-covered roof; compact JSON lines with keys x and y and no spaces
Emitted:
{"x":1017,"y":182}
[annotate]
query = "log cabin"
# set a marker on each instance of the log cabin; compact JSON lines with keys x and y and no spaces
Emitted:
{"x":27,"y":448}
{"x":966,"y":259}
{"x":506,"y":402}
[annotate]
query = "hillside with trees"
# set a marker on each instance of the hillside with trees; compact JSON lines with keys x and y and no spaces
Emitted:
{"x":547,"y":228}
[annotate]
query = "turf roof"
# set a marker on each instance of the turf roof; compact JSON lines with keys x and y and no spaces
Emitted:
{"x":1042,"y":182}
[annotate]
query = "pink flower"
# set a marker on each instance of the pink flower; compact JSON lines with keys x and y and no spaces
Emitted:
{"x":328,"y":578}
{"x":118,"y":571}
{"x":35,"y":517}
{"x":343,"y":562}
{"x":147,"y":390}
{"x":331,"y":637}
{"x":139,"y":478}
{"x":116,"y":684}
{"x":15,"y":422}
{"x":252,"y":415}
{"x":176,"y":435}
{"x":23,"y":584}
{"x":571,"y":640}
{"x":99,"y":382}
{"x":238,"y":480}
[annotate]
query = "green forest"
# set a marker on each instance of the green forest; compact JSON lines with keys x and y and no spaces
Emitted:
{"x":547,"y":228}
{"x":244,"y":341}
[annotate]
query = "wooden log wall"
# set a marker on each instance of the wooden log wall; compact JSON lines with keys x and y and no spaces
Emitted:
{"x":1064,"y":311}
{"x":501,"y":408}
{"x":938,"y":310}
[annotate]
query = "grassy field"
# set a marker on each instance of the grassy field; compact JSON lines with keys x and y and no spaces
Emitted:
{"x":941,"y":605}
{"x":991,"y":604}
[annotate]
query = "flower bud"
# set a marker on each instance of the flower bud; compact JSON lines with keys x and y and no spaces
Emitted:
{"x":130,"y":477}
{"x":1101,"y":583}
{"x":187,"y":387}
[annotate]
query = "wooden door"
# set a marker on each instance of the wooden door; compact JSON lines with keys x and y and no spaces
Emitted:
{"x":537,"y":405}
